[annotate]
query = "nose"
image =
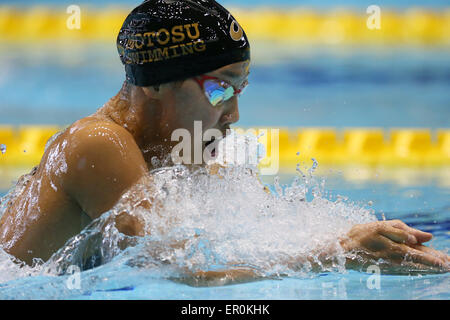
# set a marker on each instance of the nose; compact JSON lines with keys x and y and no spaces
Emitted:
{"x":231,"y":114}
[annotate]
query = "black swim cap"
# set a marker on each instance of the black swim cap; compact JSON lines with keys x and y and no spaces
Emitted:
{"x":168,"y":40}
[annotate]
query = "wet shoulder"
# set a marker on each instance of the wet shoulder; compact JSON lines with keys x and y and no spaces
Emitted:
{"x":93,"y":135}
{"x":100,"y":150}
{"x":92,"y":128}
{"x":103,"y":161}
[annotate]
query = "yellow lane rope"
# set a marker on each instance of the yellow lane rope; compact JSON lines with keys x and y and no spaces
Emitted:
{"x":295,"y":26}
{"x":24,"y":146}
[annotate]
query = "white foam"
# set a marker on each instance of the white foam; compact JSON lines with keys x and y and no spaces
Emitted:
{"x":224,"y":220}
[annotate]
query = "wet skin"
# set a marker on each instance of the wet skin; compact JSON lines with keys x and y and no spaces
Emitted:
{"x":87,"y":168}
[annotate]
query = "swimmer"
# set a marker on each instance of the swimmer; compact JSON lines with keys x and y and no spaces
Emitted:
{"x":184,"y":61}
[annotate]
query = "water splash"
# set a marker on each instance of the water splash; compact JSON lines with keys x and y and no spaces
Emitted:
{"x":313,"y":167}
{"x":200,"y":221}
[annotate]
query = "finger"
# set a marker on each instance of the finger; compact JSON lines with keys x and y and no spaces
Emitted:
{"x":412,"y":255}
{"x":410,"y":268}
{"x":421,"y":236}
{"x":398,"y":235}
{"x":401,"y":253}
{"x":441,"y":255}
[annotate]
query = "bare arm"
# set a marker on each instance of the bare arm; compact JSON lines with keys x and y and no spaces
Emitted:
{"x":106,"y":164}
{"x":103,"y":162}
{"x":399,"y":246}
{"x":391,"y":245}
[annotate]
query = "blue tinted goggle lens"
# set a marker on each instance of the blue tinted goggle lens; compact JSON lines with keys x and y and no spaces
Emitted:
{"x":217,"y":93}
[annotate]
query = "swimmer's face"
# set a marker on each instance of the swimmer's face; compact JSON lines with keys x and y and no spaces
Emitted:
{"x":185,"y":102}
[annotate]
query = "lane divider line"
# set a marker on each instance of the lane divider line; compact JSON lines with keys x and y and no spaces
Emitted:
{"x":24,"y":146}
{"x":416,"y":26}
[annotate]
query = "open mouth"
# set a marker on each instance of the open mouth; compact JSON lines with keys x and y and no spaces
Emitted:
{"x":213,"y":145}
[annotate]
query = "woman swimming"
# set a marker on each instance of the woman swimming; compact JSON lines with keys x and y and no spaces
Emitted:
{"x":185,"y":62}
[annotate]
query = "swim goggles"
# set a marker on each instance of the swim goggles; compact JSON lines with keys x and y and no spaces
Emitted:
{"x":218,"y":91}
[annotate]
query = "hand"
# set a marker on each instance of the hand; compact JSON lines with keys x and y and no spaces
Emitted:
{"x":394,"y":247}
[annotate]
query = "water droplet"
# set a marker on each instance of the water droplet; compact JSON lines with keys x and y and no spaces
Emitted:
{"x":299,"y":170}
{"x":3,"y":148}
{"x":219,"y":234}
{"x":155,"y":161}
{"x":314,"y":166}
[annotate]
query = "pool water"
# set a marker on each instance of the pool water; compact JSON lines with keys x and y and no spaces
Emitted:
{"x":303,"y":86}
{"x":290,"y":87}
{"x":421,"y":205}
